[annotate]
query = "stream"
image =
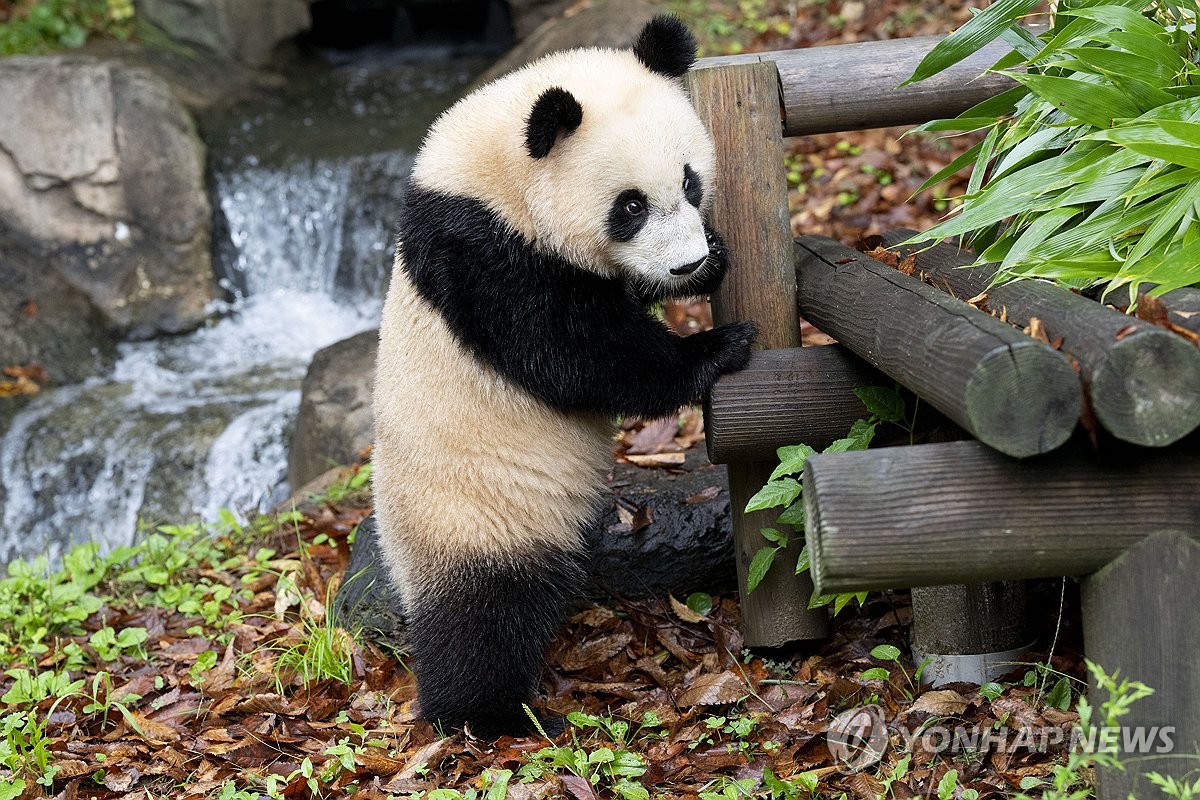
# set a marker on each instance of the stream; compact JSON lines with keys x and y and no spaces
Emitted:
{"x":304,"y":185}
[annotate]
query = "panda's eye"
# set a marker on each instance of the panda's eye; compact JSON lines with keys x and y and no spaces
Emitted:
{"x":634,"y":208}
{"x":687,"y":183}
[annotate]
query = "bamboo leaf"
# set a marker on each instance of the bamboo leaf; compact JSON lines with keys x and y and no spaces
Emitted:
{"x":980,"y":30}
{"x":1176,"y":142}
{"x":1094,"y":103}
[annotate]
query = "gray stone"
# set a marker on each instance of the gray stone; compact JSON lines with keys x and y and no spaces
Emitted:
{"x":334,"y":421}
{"x":102,"y":175}
{"x":588,"y":23}
{"x":44,"y":319}
{"x":686,"y":547}
{"x":529,"y":15}
{"x":241,"y":30}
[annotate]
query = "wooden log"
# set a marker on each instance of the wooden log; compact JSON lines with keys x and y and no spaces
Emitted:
{"x":787,"y":396}
{"x":1139,"y":617}
{"x":1183,"y":307}
{"x":849,"y":87}
{"x":751,"y":211}
{"x":936,"y":514}
{"x":969,"y":632}
{"x":1143,"y":381}
{"x":1006,"y":389}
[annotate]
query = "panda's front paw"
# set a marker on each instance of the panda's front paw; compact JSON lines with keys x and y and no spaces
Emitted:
{"x":728,"y":347}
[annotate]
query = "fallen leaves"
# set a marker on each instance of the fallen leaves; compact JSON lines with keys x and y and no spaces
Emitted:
{"x":23,"y":380}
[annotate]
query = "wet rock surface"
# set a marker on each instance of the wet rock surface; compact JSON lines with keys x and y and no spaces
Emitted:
{"x":240,"y":30}
{"x":334,"y":421}
{"x":102,"y":173}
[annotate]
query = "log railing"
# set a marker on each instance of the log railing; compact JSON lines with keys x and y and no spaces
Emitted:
{"x":1126,"y":517}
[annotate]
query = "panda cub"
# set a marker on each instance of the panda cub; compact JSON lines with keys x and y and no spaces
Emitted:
{"x":546,"y":211}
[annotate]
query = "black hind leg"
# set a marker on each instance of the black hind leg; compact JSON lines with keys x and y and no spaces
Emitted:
{"x":478,"y":632}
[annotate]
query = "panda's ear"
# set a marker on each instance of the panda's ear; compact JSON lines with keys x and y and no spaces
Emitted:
{"x":555,"y":111}
{"x":666,"y":46}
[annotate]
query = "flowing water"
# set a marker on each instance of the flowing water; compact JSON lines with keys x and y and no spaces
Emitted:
{"x":304,"y":185}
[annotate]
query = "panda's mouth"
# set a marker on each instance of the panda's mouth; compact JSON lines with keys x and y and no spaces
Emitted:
{"x":688,"y":269}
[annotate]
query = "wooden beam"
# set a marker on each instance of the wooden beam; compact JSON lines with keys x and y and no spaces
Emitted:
{"x":1139,"y":618}
{"x":1004,"y":388}
{"x":740,"y":105}
{"x":787,"y":396}
{"x":969,"y":632}
{"x":1143,"y":381}
{"x":849,"y":87}
{"x":936,"y":514}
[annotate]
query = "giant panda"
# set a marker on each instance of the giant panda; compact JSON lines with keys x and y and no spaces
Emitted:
{"x":545,"y":212}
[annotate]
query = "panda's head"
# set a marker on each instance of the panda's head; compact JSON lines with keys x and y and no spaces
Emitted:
{"x":621,"y":167}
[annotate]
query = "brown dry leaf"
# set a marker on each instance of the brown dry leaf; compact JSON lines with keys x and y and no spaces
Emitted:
{"x":943,"y":703}
{"x":979,"y":300}
{"x":22,"y":386}
{"x":685,"y":613}
{"x":578,"y":788}
{"x":881,"y":253}
{"x":704,"y":495}
{"x":428,"y":757}
{"x":376,"y":761}
{"x":1152,"y":310}
{"x":642,"y":518}
{"x":120,"y":779}
{"x":655,"y":436}
{"x":153,"y":731}
{"x":657,"y":459}
{"x":712,"y":690}
{"x":909,"y":265}
{"x":589,"y":652}
{"x":1126,"y":331}
{"x":1037,"y":330}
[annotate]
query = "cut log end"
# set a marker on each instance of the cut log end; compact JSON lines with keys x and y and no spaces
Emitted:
{"x":1147,"y":392}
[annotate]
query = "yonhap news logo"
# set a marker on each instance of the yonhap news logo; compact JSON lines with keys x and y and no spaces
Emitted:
{"x":859,"y":738}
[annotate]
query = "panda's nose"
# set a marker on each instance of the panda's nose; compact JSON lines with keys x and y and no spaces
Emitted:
{"x":688,"y":269}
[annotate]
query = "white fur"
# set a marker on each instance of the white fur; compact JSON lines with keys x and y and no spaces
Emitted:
{"x":468,"y":463}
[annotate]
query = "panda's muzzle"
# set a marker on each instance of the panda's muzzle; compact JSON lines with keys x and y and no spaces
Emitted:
{"x":688,"y":269}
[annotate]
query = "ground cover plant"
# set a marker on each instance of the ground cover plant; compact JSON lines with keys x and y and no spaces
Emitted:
{"x":207,"y":663}
{"x":41,"y":26}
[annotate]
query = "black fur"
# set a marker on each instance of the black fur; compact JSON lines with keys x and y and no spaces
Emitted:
{"x":622,"y":225}
{"x":478,"y":640}
{"x":666,"y":46}
{"x":693,"y":186}
{"x":555,"y":111}
{"x":576,"y":340}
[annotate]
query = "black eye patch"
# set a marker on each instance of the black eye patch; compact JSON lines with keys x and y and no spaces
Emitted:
{"x":627,"y":215}
{"x":693,"y":187}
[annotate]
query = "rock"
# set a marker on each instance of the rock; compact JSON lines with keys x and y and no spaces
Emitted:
{"x":241,"y":30}
{"x":102,"y":175}
{"x":46,"y":320}
{"x":334,"y":421}
{"x":529,"y":15}
{"x":587,"y":23}
{"x":687,"y":546}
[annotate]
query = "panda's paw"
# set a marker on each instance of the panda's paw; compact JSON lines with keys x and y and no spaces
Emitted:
{"x":731,"y":344}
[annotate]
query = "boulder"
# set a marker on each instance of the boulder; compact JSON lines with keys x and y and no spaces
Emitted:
{"x":45,"y":320}
{"x":658,"y":533}
{"x":334,"y":421}
{"x":587,"y":23}
{"x":102,"y":176}
{"x":240,"y":30}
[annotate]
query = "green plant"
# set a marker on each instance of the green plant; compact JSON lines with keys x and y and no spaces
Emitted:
{"x":783,"y":489}
{"x":354,"y":484}
{"x":323,"y":652}
{"x":619,"y":731}
{"x":110,"y":645}
{"x":24,"y":751}
{"x":614,"y":769}
{"x":887,"y":652}
{"x":103,"y":700}
{"x":38,"y":26}
{"x":1095,"y":155}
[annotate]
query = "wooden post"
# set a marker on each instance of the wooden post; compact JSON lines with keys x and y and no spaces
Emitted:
{"x":1139,"y":617}
{"x":740,"y":105}
{"x":970,"y":632}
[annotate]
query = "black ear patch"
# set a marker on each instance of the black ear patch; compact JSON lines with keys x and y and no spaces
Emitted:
{"x":666,"y":46}
{"x":556,"y":110}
